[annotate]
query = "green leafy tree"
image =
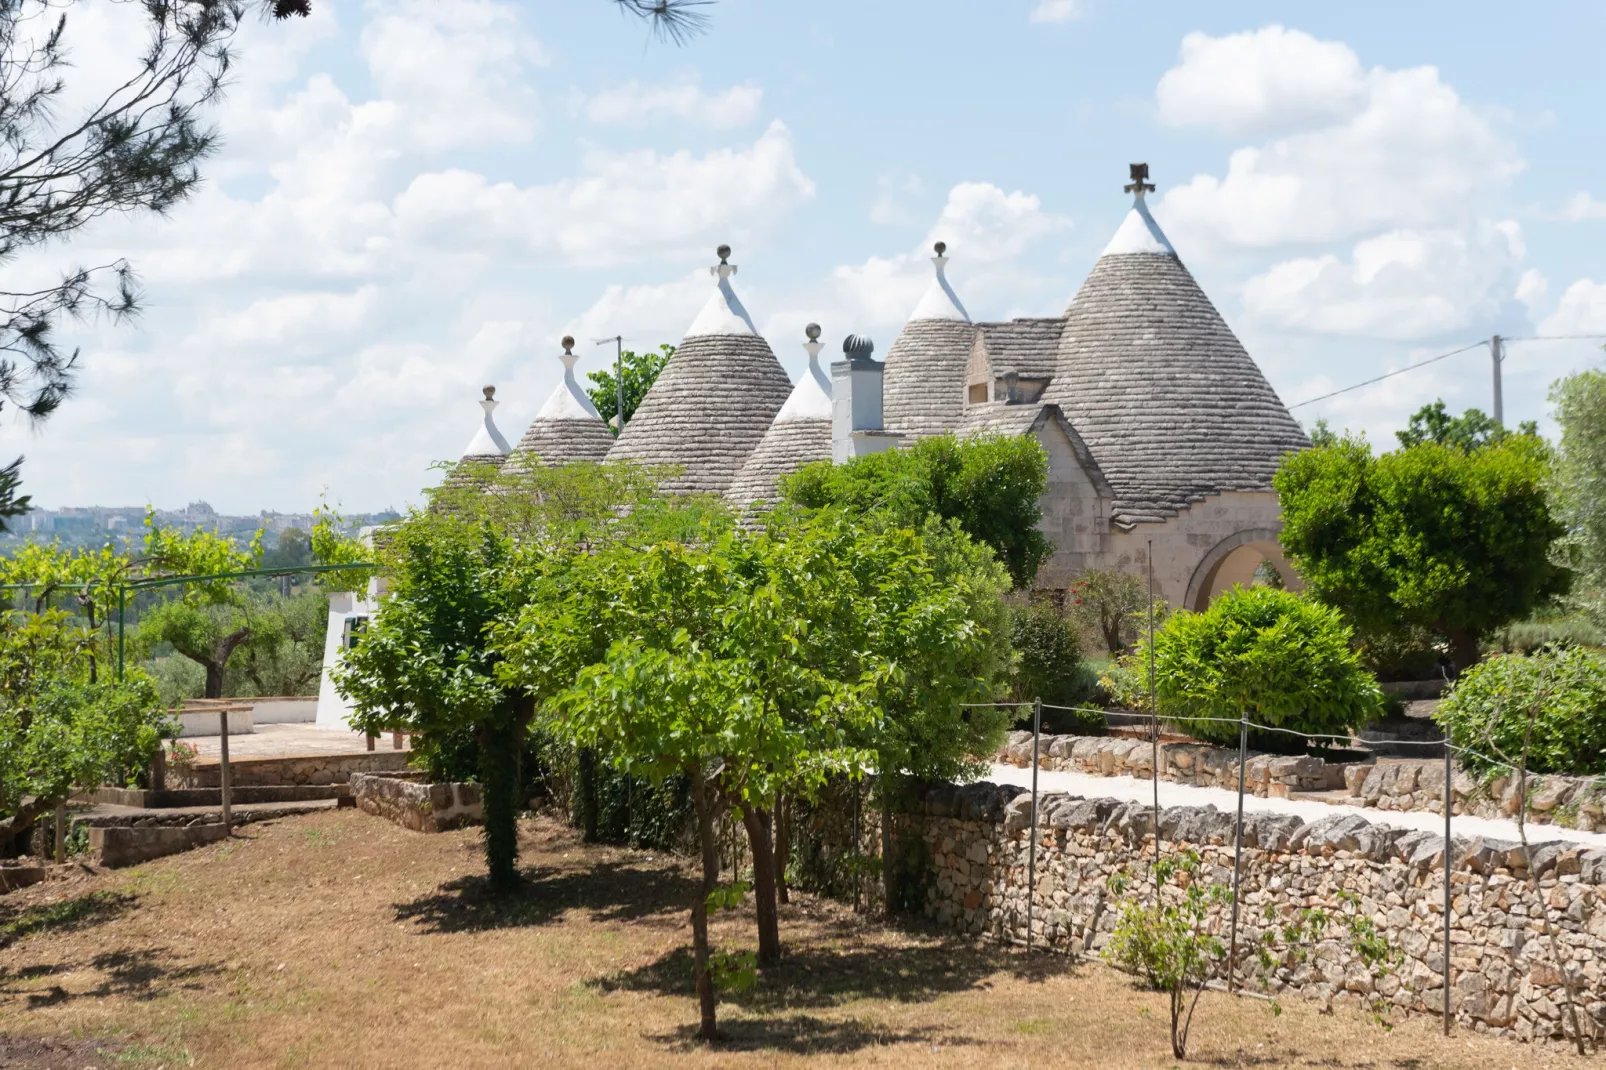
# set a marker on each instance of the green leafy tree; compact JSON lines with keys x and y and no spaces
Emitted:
{"x":211,"y":618}
{"x":1110,"y":603}
{"x":1048,"y":658}
{"x":640,"y":372}
{"x":991,"y":485}
{"x":87,"y":577}
{"x":1173,"y":940}
{"x":1429,"y":536}
{"x":293,"y":549}
{"x":285,"y":653}
{"x":59,"y":730}
{"x":1279,"y":658}
{"x":1472,"y":430}
{"x":1578,"y":486}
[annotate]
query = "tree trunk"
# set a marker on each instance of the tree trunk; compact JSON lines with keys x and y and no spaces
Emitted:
{"x":889,"y":877}
{"x":499,"y":787}
{"x":586,"y":794}
{"x":769,"y":924}
{"x":708,"y":1029}
{"x":1463,"y":648}
{"x":783,"y":846}
{"x":220,"y":659}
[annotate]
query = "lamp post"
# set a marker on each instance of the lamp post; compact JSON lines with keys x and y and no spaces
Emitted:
{"x":618,"y":341}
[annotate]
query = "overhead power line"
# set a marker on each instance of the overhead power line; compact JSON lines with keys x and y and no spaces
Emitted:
{"x":1445,"y":356}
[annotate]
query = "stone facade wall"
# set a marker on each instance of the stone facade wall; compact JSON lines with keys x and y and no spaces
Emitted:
{"x":1574,"y":802}
{"x":1503,"y":976}
{"x":1265,"y":775}
{"x":420,"y":807}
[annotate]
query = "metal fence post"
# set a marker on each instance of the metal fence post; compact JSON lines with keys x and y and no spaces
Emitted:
{"x":224,"y":779}
{"x":1031,"y":858}
{"x":61,"y":832}
{"x":1237,"y":846}
{"x":1449,"y":803}
{"x":1154,"y":725}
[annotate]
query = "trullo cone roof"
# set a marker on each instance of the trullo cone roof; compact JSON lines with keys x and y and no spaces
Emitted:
{"x":712,"y":402}
{"x":801,"y":433}
{"x":568,"y":427}
{"x":923,"y":389}
{"x":486,"y":447}
{"x":1167,"y":400}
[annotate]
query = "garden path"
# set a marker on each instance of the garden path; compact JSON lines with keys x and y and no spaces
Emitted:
{"x":1132,"y":789}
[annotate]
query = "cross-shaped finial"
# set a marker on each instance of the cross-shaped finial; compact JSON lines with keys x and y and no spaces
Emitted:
{"x":1140,"y":179}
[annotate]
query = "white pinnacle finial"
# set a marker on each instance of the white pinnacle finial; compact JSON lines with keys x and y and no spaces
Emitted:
{"x":1139,"y":233}
{"x":723,"y":314}
{"x":811,"y":397}
{"x":487,"y":441}
{"x":940,"y":302}
{"x":569,"y":401}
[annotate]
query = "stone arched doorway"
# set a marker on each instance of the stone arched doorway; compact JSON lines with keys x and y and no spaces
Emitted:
{"x":1233,"y":561}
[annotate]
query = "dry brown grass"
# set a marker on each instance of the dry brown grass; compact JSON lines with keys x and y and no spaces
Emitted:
{"x":338,"y":939}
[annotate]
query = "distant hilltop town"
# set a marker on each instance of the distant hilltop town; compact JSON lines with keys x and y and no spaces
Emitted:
{"x":94,"y":525}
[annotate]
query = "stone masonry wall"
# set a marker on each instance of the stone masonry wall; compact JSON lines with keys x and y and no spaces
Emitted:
{"x":1575,"y":802}
{"x":1504,"y":978}
{"x":420,"y":807}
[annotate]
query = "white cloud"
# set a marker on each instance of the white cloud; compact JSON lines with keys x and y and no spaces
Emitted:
{"x":895,"y":196}
{"x":1379,"y":149}
{"x":635,"y":103}
{"x":620,"y":206}
{"x":1403,"y":284}
{"x":453,"y":73}
{"x":1267,"y":79}
{"x":1056,"y":11}
{"x":1532,"y":289}
{"x":1581,"y":310}
{"x":1582,"y":206}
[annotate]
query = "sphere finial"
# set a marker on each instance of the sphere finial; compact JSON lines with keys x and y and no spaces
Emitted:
{"x":940,"y":248}
{"x":490,"y":392}
{"x":568,"y":342}
{"x":724,"y":252}
{"x":812,"y":332}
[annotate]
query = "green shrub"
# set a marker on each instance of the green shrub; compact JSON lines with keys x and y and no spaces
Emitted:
{"x":1528,"y":636}
{"x":1049,"y":666}
{"x":1280,"y":658}
{"x":1563,"y":688}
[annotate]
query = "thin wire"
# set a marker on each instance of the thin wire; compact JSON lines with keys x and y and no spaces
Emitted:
{"x":1388,"y":375}
{"x":1555,"y":338}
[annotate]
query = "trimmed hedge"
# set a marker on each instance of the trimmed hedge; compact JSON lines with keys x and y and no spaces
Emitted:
{"x":1283,"y":659}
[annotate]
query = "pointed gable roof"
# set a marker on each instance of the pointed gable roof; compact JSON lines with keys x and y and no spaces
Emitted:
{"x":1160,"y":389}
{"x":801,"y":433}
{"x":714,"y":399}
{"x":568,"y":428}
{"x":486,"y":447}
{"x":923,"y":393}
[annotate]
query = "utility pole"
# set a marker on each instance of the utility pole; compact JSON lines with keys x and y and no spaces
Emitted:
{"x":618,"y":341}
{"x":1497,"y":355}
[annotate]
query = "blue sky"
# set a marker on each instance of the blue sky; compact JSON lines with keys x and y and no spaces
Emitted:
{"x":419,"y":197}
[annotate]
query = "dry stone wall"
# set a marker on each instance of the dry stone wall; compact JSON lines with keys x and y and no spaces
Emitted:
{"x":418,"y":806}
{"x":1504,"y":978}
{"x":1393,"y":784}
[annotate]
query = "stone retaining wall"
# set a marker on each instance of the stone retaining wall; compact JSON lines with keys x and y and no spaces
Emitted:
{"x":1504,"y":979}
{"x":119,"y":846}
{"x":1198,"y":764}
{"x":420,"y":807}
{"x":1574,"y":802}
{"x":1396,"y":784}
{"x":313,"y":769}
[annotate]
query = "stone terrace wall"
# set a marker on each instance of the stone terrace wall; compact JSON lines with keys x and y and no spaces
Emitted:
{"x":420,"y":807}
{"x":1576,"y":802}
{"x":309,"y":769}
{"x":1504,"y":979}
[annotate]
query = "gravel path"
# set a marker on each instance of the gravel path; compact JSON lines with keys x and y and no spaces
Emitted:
{"x":1135,"y":790}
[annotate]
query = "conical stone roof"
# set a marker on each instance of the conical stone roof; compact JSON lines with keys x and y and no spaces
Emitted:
{"x":568,"y":428}
{"x":801,"y":433}
{"x":1160,"y":389}
{"x":923,"y":389}
{"x":486,"y":447}
{"x":713,"y":401}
